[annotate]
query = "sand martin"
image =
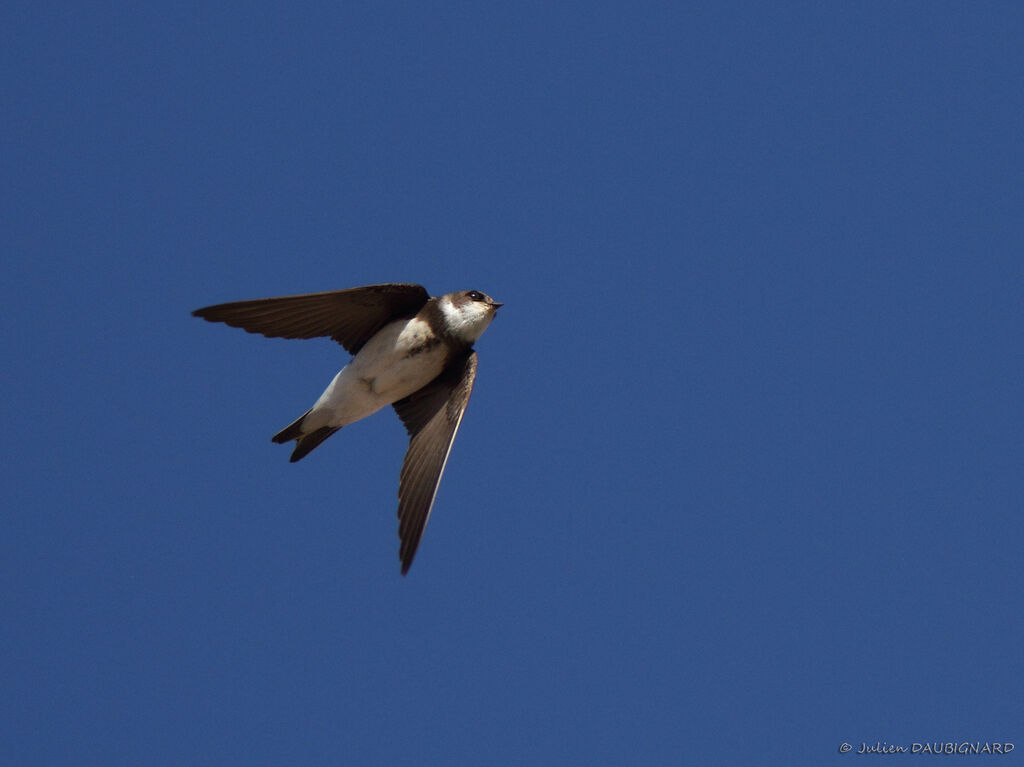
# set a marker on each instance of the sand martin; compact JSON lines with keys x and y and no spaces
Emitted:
{"x":411,"y":351}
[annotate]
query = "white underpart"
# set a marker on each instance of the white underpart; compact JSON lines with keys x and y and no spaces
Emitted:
{"x":466,"y":321}
{"x":381,"y":373}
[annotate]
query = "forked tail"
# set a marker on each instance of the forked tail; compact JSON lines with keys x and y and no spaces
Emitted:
{"x":304,"y":442}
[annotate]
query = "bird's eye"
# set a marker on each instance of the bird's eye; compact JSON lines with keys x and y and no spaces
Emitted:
{"x":476,"y":295}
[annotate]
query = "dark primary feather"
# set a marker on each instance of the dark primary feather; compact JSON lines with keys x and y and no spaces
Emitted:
{"x":432,"y":417}
{"x":350,"y":317}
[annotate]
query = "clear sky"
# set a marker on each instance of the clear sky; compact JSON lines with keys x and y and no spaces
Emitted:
{"x":741,"y":479}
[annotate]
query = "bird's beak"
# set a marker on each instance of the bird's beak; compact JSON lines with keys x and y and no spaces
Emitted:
{"x":497,"y":304}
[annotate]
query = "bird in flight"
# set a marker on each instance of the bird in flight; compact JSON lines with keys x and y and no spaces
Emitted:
{"x":411,"y":351}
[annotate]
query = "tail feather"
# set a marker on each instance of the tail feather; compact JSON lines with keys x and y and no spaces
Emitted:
{"x":311,"y":440}
{"x":291,"y":431}
{"x":303,"y":442}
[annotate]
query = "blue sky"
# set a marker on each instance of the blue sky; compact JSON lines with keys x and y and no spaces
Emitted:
{"x":741,"y":479}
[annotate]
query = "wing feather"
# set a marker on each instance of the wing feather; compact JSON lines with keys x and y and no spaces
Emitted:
{"x":432,"y":417}
{"x":350,"y":317}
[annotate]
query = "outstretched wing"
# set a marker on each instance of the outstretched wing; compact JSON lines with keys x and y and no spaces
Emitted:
{"x":350,"y":317}
{"x":432,"y":417}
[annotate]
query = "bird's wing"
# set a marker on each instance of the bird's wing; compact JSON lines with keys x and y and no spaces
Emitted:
{"x":432,"y":417}
{"x":350,"y":317}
